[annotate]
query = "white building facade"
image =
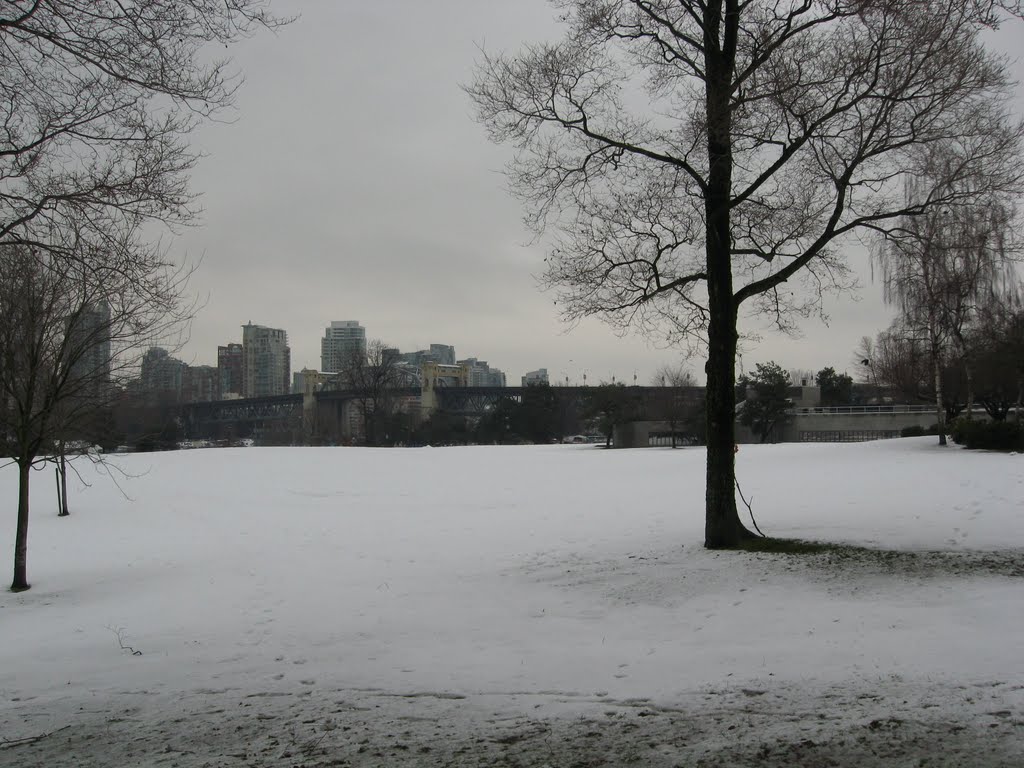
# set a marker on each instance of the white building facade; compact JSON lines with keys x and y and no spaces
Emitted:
{"x":482,"y":375}
{"x":266,"y":361}
{"x":540,"y":376}
{"x":341,"y":341}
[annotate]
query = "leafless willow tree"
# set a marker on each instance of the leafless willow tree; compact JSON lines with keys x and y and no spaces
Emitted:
{"x":898,"y":363}
{"x":97,"y":99}
{"x":694,"y":158}
{"x":940,"y":267}
{"x":71,"y":331}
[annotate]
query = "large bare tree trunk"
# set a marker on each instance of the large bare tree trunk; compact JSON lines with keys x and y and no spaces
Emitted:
{"x":722,"y":526}
{"x":21,"y":535}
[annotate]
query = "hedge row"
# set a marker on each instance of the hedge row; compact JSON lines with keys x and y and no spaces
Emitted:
{"x":918,"y":431}
{"x":992,"y":435}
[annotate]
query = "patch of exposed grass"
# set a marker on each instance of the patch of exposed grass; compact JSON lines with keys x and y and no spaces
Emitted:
{"x":830,"y":556}
{"x":795,"y":546}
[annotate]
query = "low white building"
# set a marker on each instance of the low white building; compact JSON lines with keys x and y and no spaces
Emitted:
{"x":540,"y":376}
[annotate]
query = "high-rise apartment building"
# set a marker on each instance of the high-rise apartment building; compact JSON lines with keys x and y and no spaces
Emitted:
{"x":229,"y":371}
{"x":200,"y":384}
{"x":162,"y":376}
{"x":481,"y":374}
{"x":89,"y":338}
{"x":442,"y":354}
{"x":341,"y":341}
{"x":266,"y":361}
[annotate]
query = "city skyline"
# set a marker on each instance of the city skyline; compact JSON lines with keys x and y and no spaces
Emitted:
{"x":353,"y":182}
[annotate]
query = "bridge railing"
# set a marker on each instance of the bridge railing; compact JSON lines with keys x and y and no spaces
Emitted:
{"x":861,"y":410}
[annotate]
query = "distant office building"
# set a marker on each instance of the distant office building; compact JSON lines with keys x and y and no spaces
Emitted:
{"x":540,"y":376}
{"x":266,"y":361}
{"x":229,"y":371}
{"x":442,"y":354}
{"x":200,"y":384}
{"x":481,"y":374}
{"x":162,"y":376}
{"x":411,"y":359}
{"x":341,"y":341}
{"x":89,"y":338}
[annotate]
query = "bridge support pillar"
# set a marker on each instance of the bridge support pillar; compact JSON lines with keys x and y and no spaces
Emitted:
{"x":428,"y":398}
{"x":310,"y":419}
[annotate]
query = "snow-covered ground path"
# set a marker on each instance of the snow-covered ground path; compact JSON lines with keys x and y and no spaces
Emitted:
{"x":518,"y":606}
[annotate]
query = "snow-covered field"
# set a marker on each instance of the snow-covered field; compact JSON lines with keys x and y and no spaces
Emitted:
{"x":519,"y":606}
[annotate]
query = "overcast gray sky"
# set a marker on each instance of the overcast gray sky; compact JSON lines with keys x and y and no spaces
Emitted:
{"x":354,"y":184}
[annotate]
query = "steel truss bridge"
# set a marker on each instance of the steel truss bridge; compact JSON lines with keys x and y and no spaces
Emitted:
{"x":475,"y":401}
{"x":296,"y":417}
{"x":289,"y":411}
{"x":253,"y":409}
{"x":281,"y":411}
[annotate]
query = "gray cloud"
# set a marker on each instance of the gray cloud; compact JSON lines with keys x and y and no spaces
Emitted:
{"x":354,"y":184}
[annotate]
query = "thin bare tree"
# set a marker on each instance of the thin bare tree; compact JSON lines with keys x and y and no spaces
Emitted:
{"x":997,"y":336}
{"x":675,"y":404}
{"x":97,"y":100}
{"x":373,"y":374}
{"x":72,"y":328}
{"x":690,"y":159}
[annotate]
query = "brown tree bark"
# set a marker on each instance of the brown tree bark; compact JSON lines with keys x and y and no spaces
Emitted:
{"x":63,"y":470}
{"x":20,"y":582}
{"x":722,"y":527}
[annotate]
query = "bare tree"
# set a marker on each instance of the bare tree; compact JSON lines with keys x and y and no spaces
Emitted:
{"x":691,"y":158}
{"x":898,"y":363}
{"x":997,"y":336}
{"x":71,"y":332}
{"x":608,"y":405}
{"x":939,"y":266}
{"x":676,"y":407}
{"x":97,"y":99}
{"x":374,"y":374}
{"x":982,"y":270}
